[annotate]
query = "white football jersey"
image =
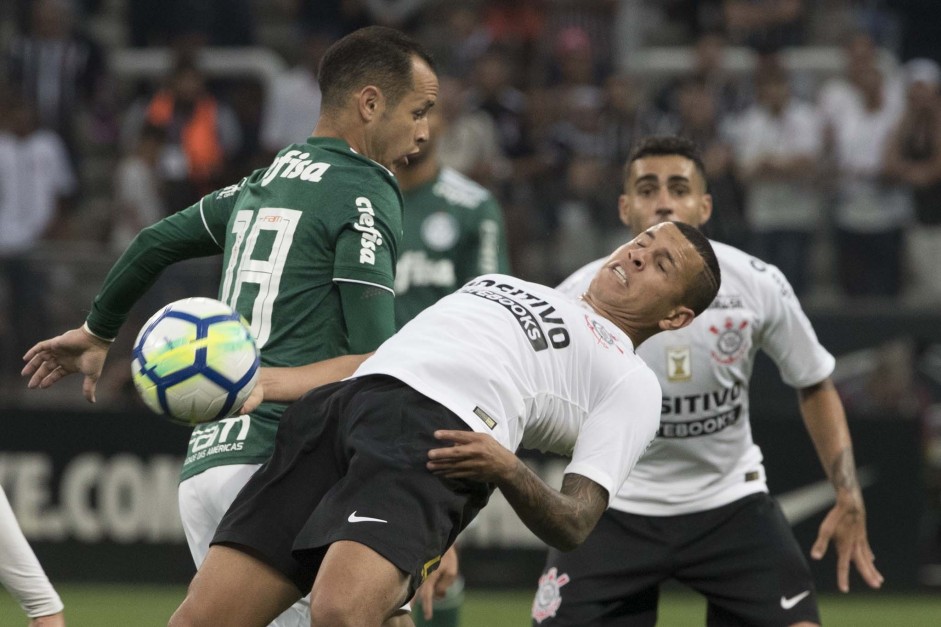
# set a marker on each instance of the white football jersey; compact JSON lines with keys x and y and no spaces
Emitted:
{"x":532,"y":368}
{"x":703,"y":456}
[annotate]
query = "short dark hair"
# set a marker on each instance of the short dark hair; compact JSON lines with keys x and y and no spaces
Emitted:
{"x":374,"y":55}
{"x":706,"y":284}
{"x":666,"y":146}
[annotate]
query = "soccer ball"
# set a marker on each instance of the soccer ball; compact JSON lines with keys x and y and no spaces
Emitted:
{"x":195,"y":360}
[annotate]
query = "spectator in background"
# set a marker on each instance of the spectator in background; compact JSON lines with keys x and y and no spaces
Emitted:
{"x":913,"y":157}
{"x":727,"y":92}
{"x":492,"y":92}
{"x":760,"y":23}
{"x":778,"y":150}
{"x":572,"y":61}
{"x":292,"y":107}
{"x":516,"y":26}
{"x":36,"y":184}
{"x":469,"y":141}
{"x":190,"y":24}
{"x":401,"y":14}
{"x":456,"y":36}
{"x":59,"y":70}
{"x":201,"y":132}
{"x":336,"y":17}
{"x":699,"y":119}
{"x":138,"y":193}
{"x":627,"y":114}
{"x":870,"y":213}
{"x":579,"y":155}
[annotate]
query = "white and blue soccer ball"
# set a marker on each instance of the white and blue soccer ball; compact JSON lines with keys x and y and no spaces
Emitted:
{"x":195,"y":361}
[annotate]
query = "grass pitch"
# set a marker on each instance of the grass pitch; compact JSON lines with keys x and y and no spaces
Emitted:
{"x":150,"y":606}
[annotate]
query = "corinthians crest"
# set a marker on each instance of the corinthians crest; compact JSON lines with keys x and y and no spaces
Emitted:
{"x":548,"y":596}
{"x":731,"y":341}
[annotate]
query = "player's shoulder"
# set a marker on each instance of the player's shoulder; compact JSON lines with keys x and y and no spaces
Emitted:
{"x":749,"y":276}
{"x":460,"y":190}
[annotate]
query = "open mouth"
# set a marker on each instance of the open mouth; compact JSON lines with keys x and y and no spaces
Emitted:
{"x":619,"y":272}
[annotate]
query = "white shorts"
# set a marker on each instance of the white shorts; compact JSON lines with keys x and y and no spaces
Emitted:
{"x":203,"y":499}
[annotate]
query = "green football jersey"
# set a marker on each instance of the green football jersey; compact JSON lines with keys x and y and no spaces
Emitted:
{"x":321,"y":213}
{"x":454,"y":231}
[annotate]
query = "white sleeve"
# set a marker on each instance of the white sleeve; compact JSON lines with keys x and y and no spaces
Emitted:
{"x":618,"y":431}
{"x":20,"y":572}
{"x":787,"y":335}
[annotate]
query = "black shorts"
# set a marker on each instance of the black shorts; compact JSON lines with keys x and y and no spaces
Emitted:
{"x":742,"y":557}
{"x":349,"y":464}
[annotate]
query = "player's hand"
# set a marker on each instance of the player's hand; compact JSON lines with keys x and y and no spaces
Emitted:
{"x":846,"y":525}
{"x":73,"y":351}
{"x":255,"y":398}
{"x":471,"y":455}
{"x":437,"y":583}
{"x":53,"y":620}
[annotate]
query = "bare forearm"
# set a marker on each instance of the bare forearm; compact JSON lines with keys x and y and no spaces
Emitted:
{"x":289,"y":384}
{"x":560,"y":519}
{"x":825,"y":419}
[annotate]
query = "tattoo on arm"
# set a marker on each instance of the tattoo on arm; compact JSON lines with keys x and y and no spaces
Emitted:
{"x":561,"y":519}
{"x":843,"y":471}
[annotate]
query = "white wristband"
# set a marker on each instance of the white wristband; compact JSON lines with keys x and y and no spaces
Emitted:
{"x":95,"y":335}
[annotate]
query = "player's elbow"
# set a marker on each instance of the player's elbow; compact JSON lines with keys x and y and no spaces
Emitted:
{"x":572,"y":536}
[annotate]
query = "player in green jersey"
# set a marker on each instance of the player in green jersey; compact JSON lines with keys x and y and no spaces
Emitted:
{"x":309,"y":250}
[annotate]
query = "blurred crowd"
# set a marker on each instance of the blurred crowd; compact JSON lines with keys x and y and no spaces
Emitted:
{"x":828,"y":168}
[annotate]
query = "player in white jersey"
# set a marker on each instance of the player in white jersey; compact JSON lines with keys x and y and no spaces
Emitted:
{"x":696,"y":508}
{"x":373,"y":478}
{"x":23,"y":576}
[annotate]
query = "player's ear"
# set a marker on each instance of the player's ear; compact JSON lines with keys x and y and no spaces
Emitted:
{"x":677,"y":318}
{"x":370,"y":102}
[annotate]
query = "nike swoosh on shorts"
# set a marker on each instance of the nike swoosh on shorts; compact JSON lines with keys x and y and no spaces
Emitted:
{"x":355,"y":519}
{"x":788,"y":603}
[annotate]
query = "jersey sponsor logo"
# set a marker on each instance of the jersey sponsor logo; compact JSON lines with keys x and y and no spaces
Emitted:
{"x":440,"y":231}
{"x":415,"y":269}
{"x":731,"y":341}
{"x":696,"y":403}
{"x":353,"y":518}
{"x":602,"y":335}
{"x":295,"y":164}
{"x":510,"y":297}
{"x":679,"y":363}
{"x":220,"y":436}
{"x":371,"y":238}
{"x":701,"y":427}
{"x":549,"y":595}
{"x":789,"y":602}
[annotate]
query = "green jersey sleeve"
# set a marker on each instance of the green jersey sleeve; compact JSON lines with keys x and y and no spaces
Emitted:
{"x":197,"y":231}
{"x":369,"y":314}
{"x":366,"y":247}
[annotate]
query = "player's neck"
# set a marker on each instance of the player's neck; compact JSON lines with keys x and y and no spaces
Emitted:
{"x":637,"y":335}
